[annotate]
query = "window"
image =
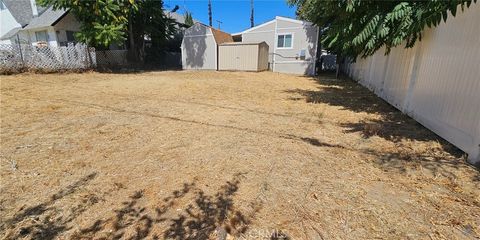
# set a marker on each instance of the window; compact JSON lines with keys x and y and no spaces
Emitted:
{"x":70,"y":36}
{"x":41,"y":36}
{"x":284,"y":41}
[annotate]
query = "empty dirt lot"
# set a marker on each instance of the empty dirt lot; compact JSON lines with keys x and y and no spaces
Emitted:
{"x":183,"y":155}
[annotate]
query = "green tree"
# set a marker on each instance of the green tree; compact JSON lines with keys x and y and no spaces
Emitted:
{"x":149,"y":21}
{"x":103,"y":22}
{"x":106,"y":22}
{"x":188,"y":19}
{"x":354,"y":28}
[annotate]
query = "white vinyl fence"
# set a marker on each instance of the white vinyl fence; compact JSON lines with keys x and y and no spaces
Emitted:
{"x":15,"y":57}
{"x":437,"y":82}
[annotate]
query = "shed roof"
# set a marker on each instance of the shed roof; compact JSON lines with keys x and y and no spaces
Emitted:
{"x":221,"y":37}
{"x":243,"y":43}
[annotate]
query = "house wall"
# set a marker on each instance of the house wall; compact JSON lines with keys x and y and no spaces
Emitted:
{"x":67,"y":23}
{"x":29,"y":36}
{"x":436,"y":82}
{"x":199,"y":49}
{"x":304,"y":38}
{"x":287,"y":60}
{"x":241,"y":57}
{"x":262,"y":34}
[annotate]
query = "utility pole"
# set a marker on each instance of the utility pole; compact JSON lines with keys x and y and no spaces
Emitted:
{"x":210,"y":12}
{"x":251,"y":14}
{"x":219,"y":22}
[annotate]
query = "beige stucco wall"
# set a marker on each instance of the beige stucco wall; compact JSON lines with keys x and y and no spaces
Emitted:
{"x":304,"y":38}
{"x":287,"y":60}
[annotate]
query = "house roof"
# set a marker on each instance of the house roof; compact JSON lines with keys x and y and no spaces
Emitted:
{"x":272,"y":21}
{"x":48,"y":18}
{"x":21,"y":10}
{"x":177,"y":17}
{"x":10,"y":33}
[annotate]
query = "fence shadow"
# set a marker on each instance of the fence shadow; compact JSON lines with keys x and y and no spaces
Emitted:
{"x":390,"y":124}
{"x":206,"y":216}
{"x":393,"y":125}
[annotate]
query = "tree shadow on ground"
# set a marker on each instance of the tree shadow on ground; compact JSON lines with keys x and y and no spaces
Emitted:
{"x":390,"y":124}
{"x":393,"y":125}
{"x":206,"y":216}
{"x":43,"y":221}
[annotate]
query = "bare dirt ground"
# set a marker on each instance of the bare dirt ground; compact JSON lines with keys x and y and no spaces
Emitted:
{"x":183,"y":155}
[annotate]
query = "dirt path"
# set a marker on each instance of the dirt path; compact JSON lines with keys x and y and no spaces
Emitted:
{"x":186,"y":154}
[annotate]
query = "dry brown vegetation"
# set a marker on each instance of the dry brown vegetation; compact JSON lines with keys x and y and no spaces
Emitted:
{"x":191,"y":155}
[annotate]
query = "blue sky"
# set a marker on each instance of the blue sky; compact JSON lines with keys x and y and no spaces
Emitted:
{"x":235,"y":14}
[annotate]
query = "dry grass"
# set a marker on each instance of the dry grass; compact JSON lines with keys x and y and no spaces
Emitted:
{"x":194,"y":154}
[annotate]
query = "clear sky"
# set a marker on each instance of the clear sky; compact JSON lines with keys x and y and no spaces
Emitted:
{"x":234,"y":14}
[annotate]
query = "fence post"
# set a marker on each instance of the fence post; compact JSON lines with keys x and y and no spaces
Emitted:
{"x":20,"y":48}
{"x":89,"y":55}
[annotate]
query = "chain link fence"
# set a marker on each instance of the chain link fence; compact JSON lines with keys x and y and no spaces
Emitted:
{"x":112,"y":58}
{"x":21,"y":57}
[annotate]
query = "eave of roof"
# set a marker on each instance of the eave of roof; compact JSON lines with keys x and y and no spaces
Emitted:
{"x":48,"y":18}
{"x":10,"y":33}
{"x":272,"y":21}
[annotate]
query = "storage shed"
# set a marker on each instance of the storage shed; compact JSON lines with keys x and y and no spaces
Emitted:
{"x":200,"y":45}
{"x":242,"y":56}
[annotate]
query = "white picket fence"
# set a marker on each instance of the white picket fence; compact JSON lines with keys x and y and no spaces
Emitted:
{"x":14,"y":57}
{"x":437,"y":82}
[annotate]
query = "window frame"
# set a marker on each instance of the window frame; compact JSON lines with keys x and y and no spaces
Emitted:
{"x":46,"y":36}
{"x":284,"y":34}
{"x":73,"y":36}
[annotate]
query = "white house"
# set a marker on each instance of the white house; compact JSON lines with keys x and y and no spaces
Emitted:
{"x":24,"y":21}
{"x":292,"y":44}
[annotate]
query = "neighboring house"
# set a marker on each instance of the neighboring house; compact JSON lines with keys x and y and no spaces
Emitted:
{"x":24,"y":21}
{"x":200,"y":46}
{"x":292,"y":44}
{"x":174,"y":44}
{"x":179,"y":18}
